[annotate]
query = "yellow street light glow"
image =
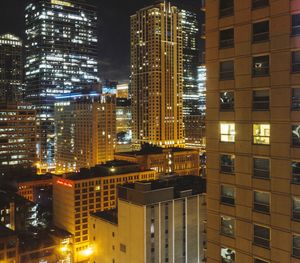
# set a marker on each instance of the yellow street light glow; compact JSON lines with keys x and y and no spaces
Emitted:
{"x":87,"y":252}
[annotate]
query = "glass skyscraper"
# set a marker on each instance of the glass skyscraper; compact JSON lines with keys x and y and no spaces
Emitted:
{"x":61,"y":57}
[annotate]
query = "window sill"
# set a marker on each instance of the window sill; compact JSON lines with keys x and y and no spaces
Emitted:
{"x":261,"y":212}
{"x":262,"y":76}
{"x":262,"y":246}
{"x":226,"y":173}
{"x":260,"y":41}
{"x":262,"y":178}
{"x":227,"y":204}
{"x":223,"y":234}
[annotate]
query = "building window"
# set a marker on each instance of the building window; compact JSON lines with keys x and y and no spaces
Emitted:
{"x":227,"y":195}
{"x":295,"y":98}
{"x":259,"y":3}
{"x":123,"y":248}
{"x":261,"y":236}
{"x":227,"y":163}
{"x":261,"y":167}
{"x":296,"y":246}
{"x":296,"y":172}
{"x":261,"y":201}
{"x":227,"y":255}
{"x":227,"y":131}
{"x":261,"y":134}
{"x":260,"y":67}
{"x":226,"y":100}
{"x":296,"y":135}
{"x":296,"y":208}
{"x":260,"y":31}
{"x":227,"y":226}
{"x":226,"y":7}
{"x":226,"y":38}
{"x":295,"y":24}
{"x":226,"y":70}
{"x":257,"y":260}
{"x":261,"y":100}
{"x":295,"y":61}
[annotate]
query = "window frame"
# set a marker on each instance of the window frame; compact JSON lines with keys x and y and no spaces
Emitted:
{"x":256,"y":35}
{"x":226,"y":75}
{"x":261,"y":207}
{"x":295,"y":213}
{"x":227,"y":200}
{"x":231,"y":104}
{"x":260,"y":238}
{"x":296,"y":101}
{"x":264,"y":172}
{"x":292,"y":173}
{"x":261,"y":136}
{"x":229,"y":11}
{"x":222,"y":259}
{"x":227,"y":43}
{"x":223,"y":227}
{"x":257,"y":6}
{"x":265,"y":71}
{"x":229,"y":134}
{"x":293,"y":246}
{"x":262,"y":103}
{"x":229,"y":169}
{"x":293,"y":33}
{"x":296,"y":145}
{"x":295,"y":67}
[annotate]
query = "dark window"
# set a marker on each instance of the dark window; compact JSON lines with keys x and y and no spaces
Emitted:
{"x":226,"y":70}
{"x":227,"y":226}
{"x":227,"y":163}
{"x":227,"y":195}
{"x":259,"y":3}
{"x":296,"y":61}
{"x":260,"y":66}
{"x":295,"y":98}
{"x":261,"y":201}
{"x":123,"y":248}
{"x":296,"y":24}
{"x":257,"y":260}
{"x":261,"y":236}
{"x":260,"y":31}
{"x":296,"y":208}
{"x":227,"y":101}
{"x":296,"y":246}
{"x":226,"y":38}
{"x":226,"y":8}
{"x":296,"y":135}
{"x":296,"y":172}
{"x":261,"y":167}
{"x":227,"y":255}
{"x":11,"y":254}
{"x":261,"y":100}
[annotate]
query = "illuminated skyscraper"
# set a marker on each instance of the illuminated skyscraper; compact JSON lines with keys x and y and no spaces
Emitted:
{"x":85,"y":130}
{"x":11,"y":68}
{"x":61,"y":56}
{"x":157,"y":76}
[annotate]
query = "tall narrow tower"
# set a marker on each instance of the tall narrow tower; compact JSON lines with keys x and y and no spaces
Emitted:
{"x":157,"y":76}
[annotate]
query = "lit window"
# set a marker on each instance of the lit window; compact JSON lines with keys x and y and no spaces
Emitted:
{"x":261,"y":167}
{"x":261,"y":100}
{"x":227,"y":195}
{"x":295,"y":98}
{"x":227,"y":255}
{"x":260,"y":31}
{"x":259,"y":3}
{"x":296,"y":246}
{"x":227,"y":131}
{"x":227,"y":101}
{"x":261,"y":236}
{"x":296,"y":61}
{"x":296,"y":135}
{"x":227,"y":226}
{"x":226,"y":7}
{"x":296,"y":208}
{"x":260,"y":66}
{"x":227,"y":70}
{"x":296,"y":172}
{"x":227,"y":163}
{"x":295,"y":24}
{"x":261,"y":201}
{"x":261,"y":133}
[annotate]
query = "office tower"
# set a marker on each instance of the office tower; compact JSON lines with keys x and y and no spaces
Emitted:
{"x":61,"y":57}
{"x":18,"y":137}
{"x":11,"y":68}
{"x":158,"y":221}
{"x":76,"y":195}
{"x":202,"y":88}
{"x":85,"y":126}
{"x":157,"y":76}
{"x":253,"y":122}
{"x":180,"y":161}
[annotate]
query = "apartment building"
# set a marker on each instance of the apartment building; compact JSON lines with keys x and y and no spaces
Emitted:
{"x":253,"y":123}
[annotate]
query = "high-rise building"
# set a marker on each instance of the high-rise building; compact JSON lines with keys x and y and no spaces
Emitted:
{"x":157,"y":76}
{"x":253,"y":123}
{"x":123,"y":91}
{"x":11,"y":68}
{"x":202,"y":89}
{"x":157,"y":221}
{"x":61,"y":57}
{"x":76,"y":195}
{"x":85,"y":126}
{"x":18,"y":137}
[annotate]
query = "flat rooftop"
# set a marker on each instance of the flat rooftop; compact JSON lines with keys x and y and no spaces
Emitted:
{"x":111,"y":168}
{"x":6,"y":197}
{"x":110,"y":216}
{"x":6,"y":232}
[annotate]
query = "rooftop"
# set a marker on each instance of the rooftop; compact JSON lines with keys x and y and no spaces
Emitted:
{"x":6,"y":197}
{"x":110,"y":216}
{"x":5,"y":232}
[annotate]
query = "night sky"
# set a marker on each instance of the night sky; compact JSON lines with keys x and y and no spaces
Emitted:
{"x":114,"y":30}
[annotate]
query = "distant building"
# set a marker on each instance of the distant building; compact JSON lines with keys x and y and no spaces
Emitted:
{"x":109,"y":87}
{"x":202,"y":88}
{"x":76,"y":195}
{"x":179,"y":161}
{"x":61,"y":57}
{"x":11,"y":68}
{"x":157,"y":76}
{"x":123,"y":91}
{"x":9,"y":245}
{"x":195,"y":132}
{"x":18,"y":136}
{"x":85,"y":126}
{"x":158,"y":221}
